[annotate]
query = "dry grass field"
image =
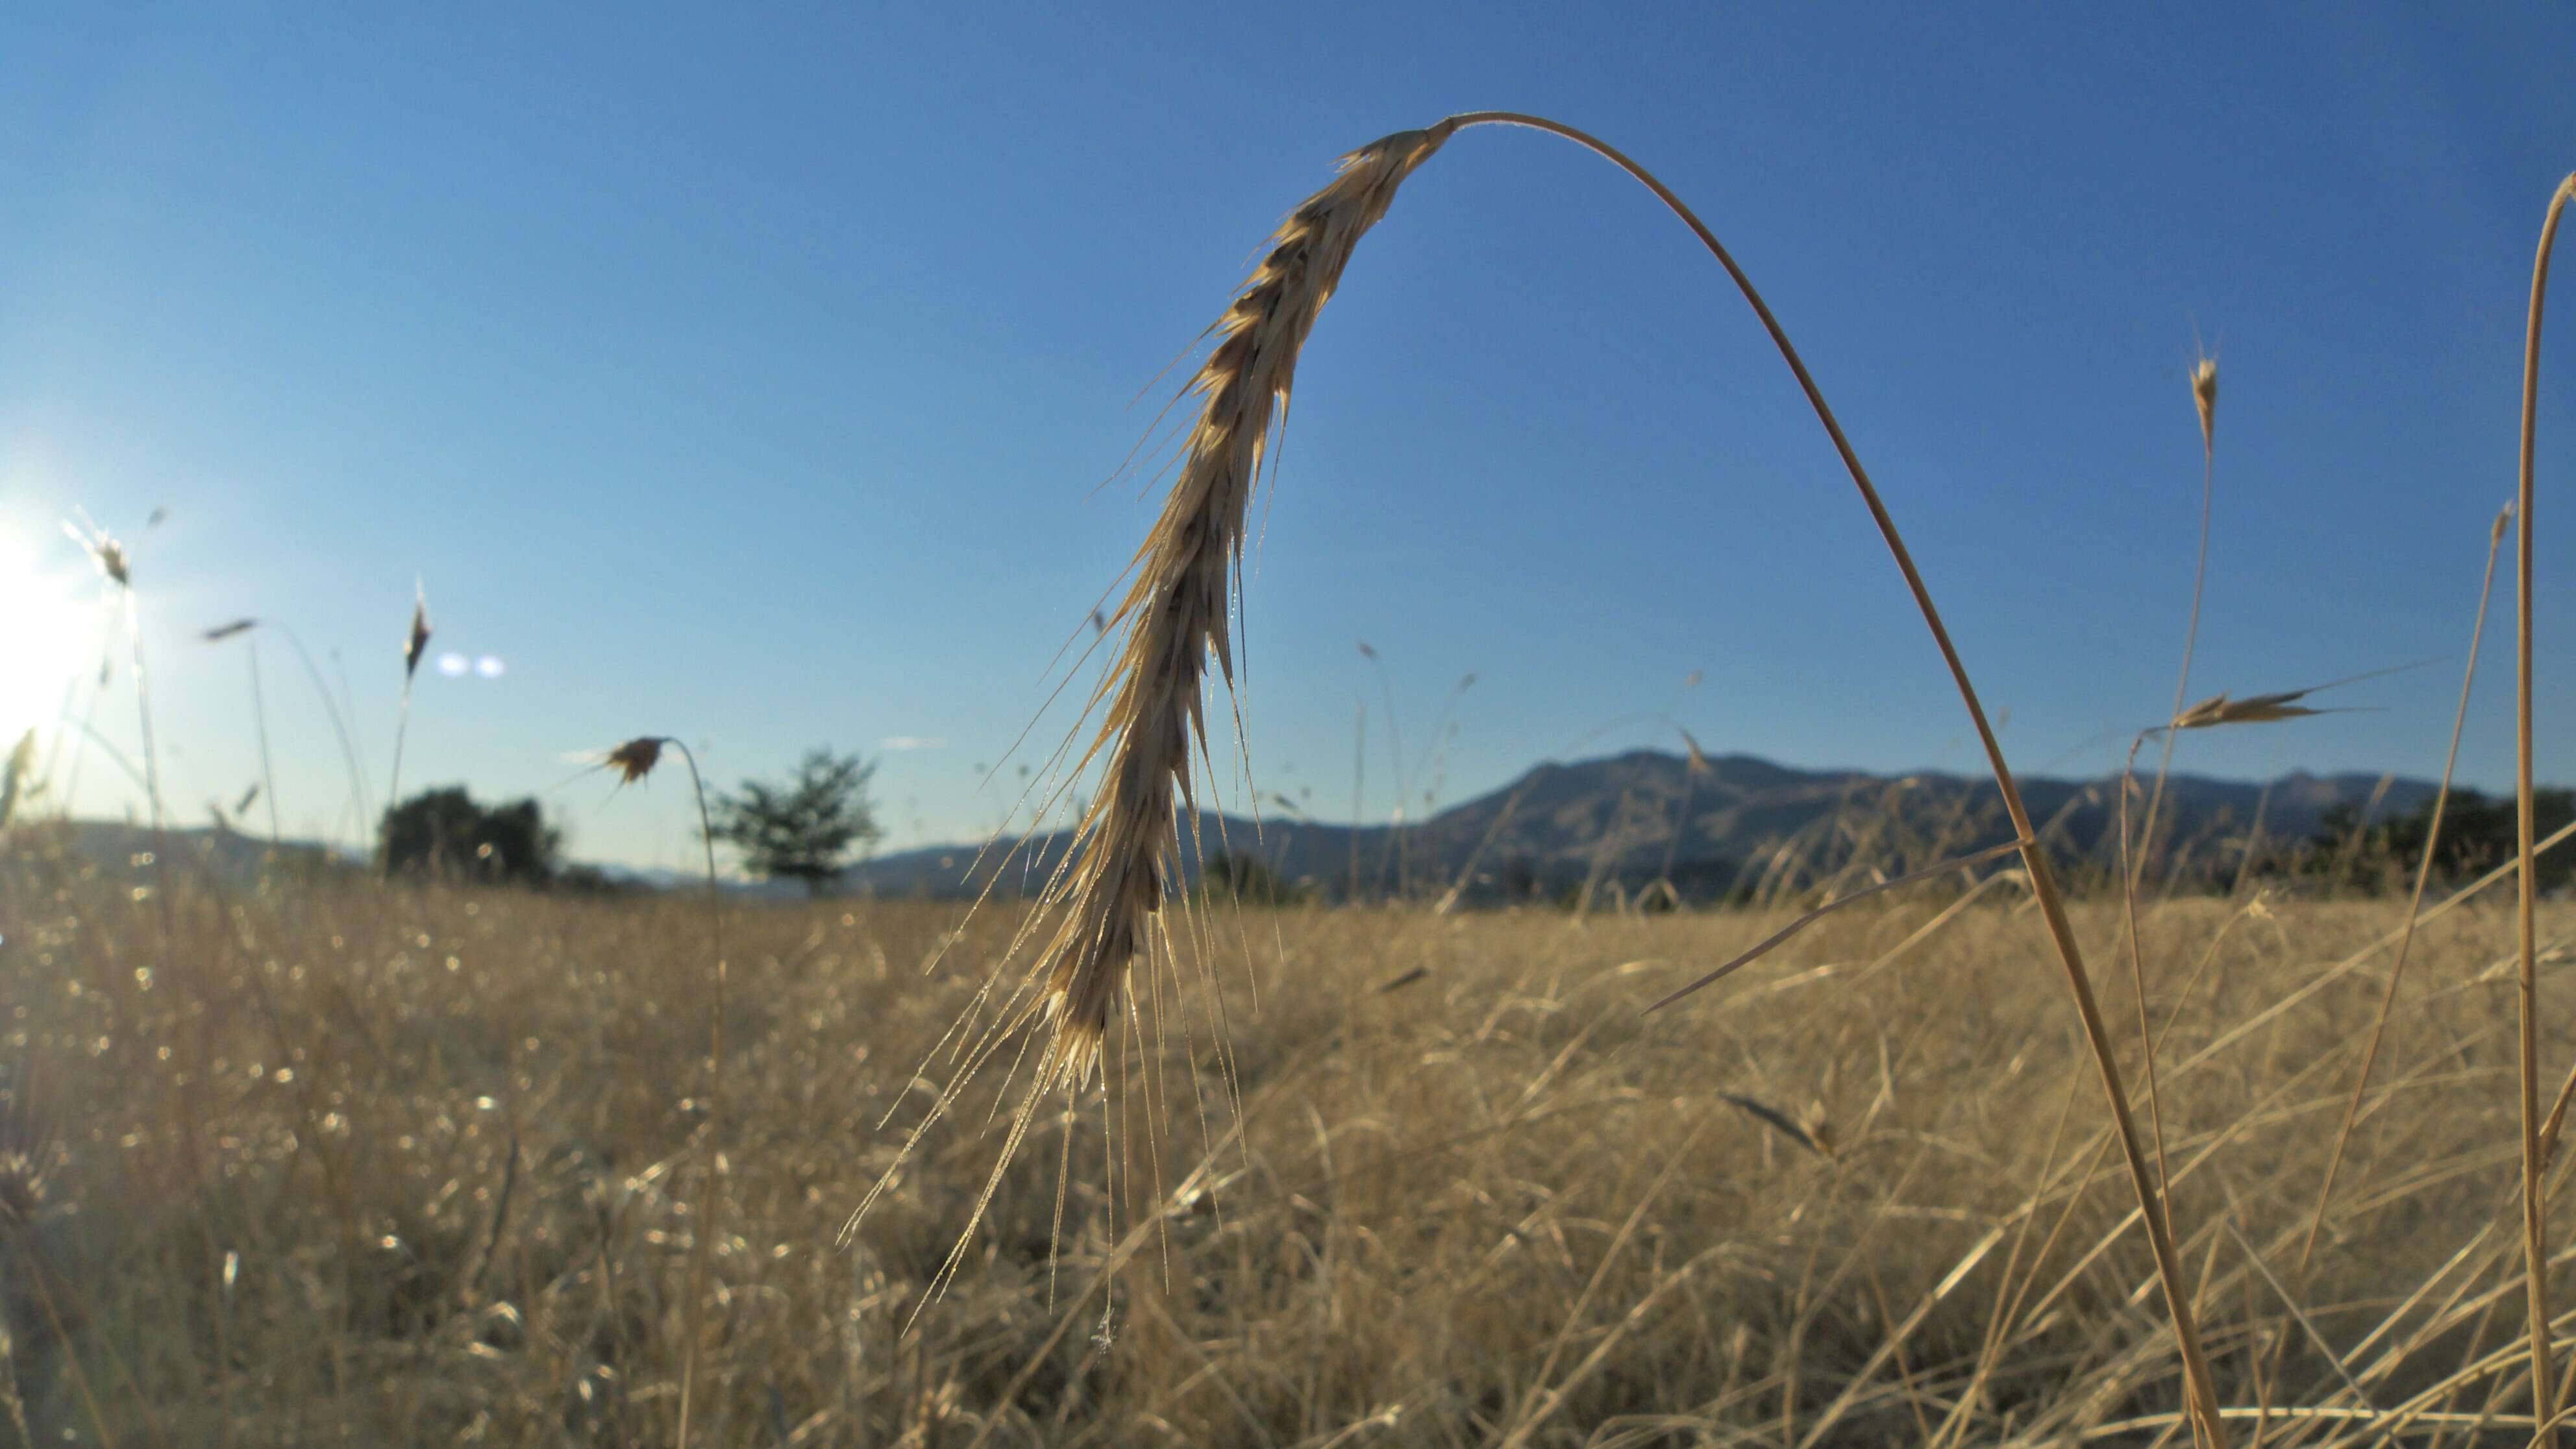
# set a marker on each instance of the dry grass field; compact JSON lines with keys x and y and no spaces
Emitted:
{"x":318,"y":1164}
{"x":312,"y":1160}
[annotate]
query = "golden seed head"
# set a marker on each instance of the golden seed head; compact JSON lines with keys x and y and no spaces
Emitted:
{"x":1699,"y":764}
{"x":636,"y":758}
{"x":2204,"y":396}
{"x":1173,"y":619}
{"x":2220,"y":709}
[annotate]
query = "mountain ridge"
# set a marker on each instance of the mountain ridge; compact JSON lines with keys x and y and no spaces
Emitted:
{"x":1612,"y":820}
{"x":1606,"y":822}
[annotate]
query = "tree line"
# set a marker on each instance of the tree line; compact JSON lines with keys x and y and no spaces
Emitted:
{"x":808,"y":827}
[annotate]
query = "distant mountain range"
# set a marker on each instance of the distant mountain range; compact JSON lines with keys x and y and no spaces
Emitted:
{"x":1729,"y":825}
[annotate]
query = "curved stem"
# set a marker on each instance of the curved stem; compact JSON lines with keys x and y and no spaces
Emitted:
{"x":2138,"y":964}
{"x":393,"y":790}
{"x":89,"y":734}
{"x":339,"y":726}
{"x":2204,"y":1399}
{"x":143,"y":705}
{"x":2535,"y":1242}
{"x":710,"y":1198}
{"x":2414,"y":908}
{"x":2182,"y":685}
{"x":259,"y":718}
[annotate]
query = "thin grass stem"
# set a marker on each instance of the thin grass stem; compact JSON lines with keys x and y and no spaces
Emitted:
{"x":2534,"y":1151}
{"x":2204,"y":1398}
{"x":710,"y":1179}
{"x":2414,"y":902}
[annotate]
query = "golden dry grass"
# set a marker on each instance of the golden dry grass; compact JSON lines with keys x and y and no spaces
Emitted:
{"x":341,"y":1165}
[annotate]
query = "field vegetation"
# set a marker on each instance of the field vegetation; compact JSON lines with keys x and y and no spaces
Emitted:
{"x":2002,"y":1153}
{"x":323,"y":1163}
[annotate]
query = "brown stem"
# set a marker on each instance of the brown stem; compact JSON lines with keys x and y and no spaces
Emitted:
{"x":2190,"y":640}
{"x":2204,"y":1398}
{"x":2535,"y":1242}
{"x":2137,"y":959}
{"x":710,"y":1195}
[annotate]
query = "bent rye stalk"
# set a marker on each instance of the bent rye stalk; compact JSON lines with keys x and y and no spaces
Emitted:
{"x":1173,"y":623}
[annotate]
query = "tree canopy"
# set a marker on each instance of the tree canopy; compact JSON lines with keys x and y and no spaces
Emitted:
{"x":444,"y":832}
{"x":2479,"y":833}
{"x":806,"y":828}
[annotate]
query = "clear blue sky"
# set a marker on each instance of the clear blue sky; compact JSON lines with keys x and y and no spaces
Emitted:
{"x":748,"y":377}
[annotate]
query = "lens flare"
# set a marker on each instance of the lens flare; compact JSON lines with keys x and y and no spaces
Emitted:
{"x":49,"y":638}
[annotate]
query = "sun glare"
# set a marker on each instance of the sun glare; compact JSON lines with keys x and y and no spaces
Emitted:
{"x":49,"y":629}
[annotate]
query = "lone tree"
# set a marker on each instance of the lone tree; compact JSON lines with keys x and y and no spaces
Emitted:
{"x":444,"y":832}
{"x":806,"y":828}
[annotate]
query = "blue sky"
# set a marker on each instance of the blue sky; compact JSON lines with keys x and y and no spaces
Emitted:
{"x":749,"y":377}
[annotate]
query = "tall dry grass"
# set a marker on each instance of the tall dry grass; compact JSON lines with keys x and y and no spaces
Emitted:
{"x":410,"y":1168}
{"x":1107,"y":905}
{"x":330,"y":1163}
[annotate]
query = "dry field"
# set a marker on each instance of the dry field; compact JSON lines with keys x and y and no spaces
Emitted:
{"x":326,"y":1162}
{"x":329,"y":1164}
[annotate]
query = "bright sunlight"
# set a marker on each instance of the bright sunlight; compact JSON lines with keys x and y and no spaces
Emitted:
{"x":49,"y":630}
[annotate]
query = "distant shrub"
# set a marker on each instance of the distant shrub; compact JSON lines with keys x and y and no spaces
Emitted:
{"x":443,"y":832}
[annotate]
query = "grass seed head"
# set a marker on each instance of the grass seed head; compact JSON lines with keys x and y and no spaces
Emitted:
{"x":2204,"y":396}
{"x":2219,"y":709}
{"x":1699,"y":764}
{"x":417,"y":642}
{"x":1173,"y":617}
{"x":635,"y":759}
{"x":1805,"y":1133}
{"x":221,"y":632}
{"x":104,"y":551}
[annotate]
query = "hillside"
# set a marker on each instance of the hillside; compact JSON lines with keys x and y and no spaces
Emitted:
{"x":1748,"y":821}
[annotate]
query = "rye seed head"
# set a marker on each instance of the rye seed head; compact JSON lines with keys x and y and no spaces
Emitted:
{"x":1172,"y":618}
